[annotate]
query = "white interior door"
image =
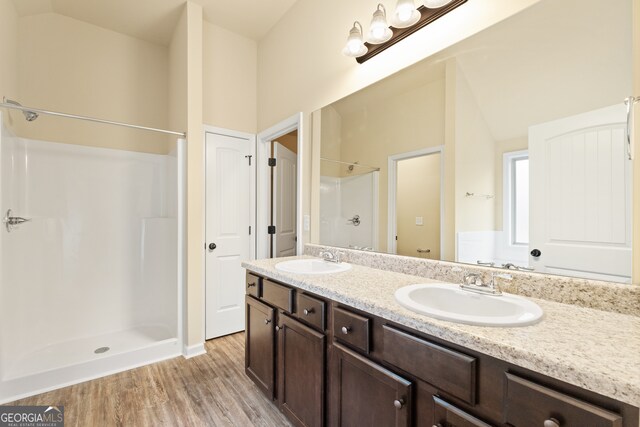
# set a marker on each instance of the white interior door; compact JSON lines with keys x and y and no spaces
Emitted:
{"x":580,"y":189}
{"x":284,"y":201}
{"x":228,"y":233}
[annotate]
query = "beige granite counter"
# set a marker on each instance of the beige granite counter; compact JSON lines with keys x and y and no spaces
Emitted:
{"x":593,"y":349}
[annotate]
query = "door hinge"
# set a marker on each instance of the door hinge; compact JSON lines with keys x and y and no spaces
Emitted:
{"x":248,"y":157}
{"x":249,"y":230}
{"x":272,"y":162}
{"x":271,"y":229}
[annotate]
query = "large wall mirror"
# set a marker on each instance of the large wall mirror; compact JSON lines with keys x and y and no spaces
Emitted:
{"x":507,"y":149}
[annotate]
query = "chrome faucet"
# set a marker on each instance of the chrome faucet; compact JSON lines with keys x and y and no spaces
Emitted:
{"x":330,"y":257}
{"x":472,"y":282}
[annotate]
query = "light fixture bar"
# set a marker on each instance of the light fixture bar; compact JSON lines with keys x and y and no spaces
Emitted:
{"x":427,"y":16}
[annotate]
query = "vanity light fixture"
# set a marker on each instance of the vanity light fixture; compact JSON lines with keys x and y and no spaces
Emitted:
{"x":406,"y":20}
{"x":379,"y":32}
{"x":355,"y":43}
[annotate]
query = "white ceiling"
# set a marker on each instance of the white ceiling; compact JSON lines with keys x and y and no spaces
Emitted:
{"x":154,"y":20}
{"x":555,"y":59}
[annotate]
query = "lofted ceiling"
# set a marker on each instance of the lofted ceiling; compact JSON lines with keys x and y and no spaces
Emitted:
{"x":556,"y":59}
{"x":154,"y":20}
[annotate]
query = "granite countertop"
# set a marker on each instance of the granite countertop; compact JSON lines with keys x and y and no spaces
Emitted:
{"x":592,"y":349}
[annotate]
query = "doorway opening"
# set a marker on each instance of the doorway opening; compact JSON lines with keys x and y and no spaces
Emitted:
{"x":416,"y":203}
{"x":279,"y":190}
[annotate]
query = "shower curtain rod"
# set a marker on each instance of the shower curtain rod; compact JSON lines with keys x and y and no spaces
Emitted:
{"x":90,"y":119}
{"x":349,"y":163}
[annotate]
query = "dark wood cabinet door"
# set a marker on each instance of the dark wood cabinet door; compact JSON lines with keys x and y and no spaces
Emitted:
{"x":259,"y":360}
{"x":364,"y":394}
{"x":301,"y":361}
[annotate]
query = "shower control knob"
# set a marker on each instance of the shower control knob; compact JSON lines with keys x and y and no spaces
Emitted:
{"x":536,"y":253}
{"x":212,"y":246}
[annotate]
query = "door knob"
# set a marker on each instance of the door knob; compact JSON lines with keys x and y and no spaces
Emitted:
{"x":536,"y":253}
{"x":212,"y":246}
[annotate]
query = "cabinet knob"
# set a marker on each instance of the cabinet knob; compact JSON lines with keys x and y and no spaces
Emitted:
{"x":277,"y":328}
{"x":307,"y":311}
{"x":437,"y":425}
{"x":551,"y":422}
{"x":398,"y":403}
{"x":250,"y":285}
{"x":345,"y":330}
{"x":267,"y":321}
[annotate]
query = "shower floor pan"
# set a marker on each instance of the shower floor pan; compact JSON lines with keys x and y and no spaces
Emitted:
{"x":75,"y":361}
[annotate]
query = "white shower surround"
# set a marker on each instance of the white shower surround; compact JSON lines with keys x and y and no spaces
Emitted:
{"x":340,"y":199}
{"x":98,"y":265}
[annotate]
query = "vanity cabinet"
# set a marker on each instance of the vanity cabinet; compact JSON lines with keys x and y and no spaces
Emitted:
{"x":328,"y":364}
{"x":364,"y":393}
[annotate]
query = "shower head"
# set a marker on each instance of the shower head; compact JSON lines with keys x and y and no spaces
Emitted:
{"x":29,"y":115}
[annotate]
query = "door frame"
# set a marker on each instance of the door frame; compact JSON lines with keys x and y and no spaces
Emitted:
{"x":263,"y":176}
{"x":392,"y":167}
{"x":252,"y":181}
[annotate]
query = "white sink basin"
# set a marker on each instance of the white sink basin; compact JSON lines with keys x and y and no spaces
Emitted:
{"x":448,"y":302}
{"x":312,"y":266}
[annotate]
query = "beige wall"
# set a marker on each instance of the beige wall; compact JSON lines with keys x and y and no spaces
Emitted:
{"x":9,"y":57}
{"x":229,"y":79}
{"x":70,"y":66}
{"x":330,"y":142}
{"x":474,"y":161}
{"x":369,"y":136}
{"x":418,"y":195}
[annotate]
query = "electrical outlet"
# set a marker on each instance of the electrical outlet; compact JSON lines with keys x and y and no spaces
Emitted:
{"x":419,"y":220}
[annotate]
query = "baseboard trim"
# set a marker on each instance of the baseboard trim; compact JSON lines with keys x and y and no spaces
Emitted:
{"x":193,"y":350}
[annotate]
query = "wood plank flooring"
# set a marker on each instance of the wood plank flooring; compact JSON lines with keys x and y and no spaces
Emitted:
{"x":207,"y":390}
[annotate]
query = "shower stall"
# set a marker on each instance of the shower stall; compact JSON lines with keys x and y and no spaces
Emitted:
{"x":90,"y":258}
{"x":349,"y":205}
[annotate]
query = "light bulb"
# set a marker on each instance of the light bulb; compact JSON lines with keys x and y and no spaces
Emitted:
{"x":405,"y":14}
{"x":379,"y":31}
{"x":355,"y":44}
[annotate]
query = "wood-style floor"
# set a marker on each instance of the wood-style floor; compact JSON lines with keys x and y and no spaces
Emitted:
{"x":207,"y":390}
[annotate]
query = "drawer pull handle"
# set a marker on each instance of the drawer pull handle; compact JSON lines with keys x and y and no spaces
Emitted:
{"x":398,"y":403}
{"x":308,"y":311}
{"x":250,"y":285}
{"x":551,"y":422}
{"x":345,"y":330}
{"x":267,"y":321}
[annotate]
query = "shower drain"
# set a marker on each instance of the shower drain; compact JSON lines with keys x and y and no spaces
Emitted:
{"x":101,"y":350}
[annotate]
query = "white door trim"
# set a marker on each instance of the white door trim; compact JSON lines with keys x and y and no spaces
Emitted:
{"x":263,"y":207}
{"x":392,"y":165}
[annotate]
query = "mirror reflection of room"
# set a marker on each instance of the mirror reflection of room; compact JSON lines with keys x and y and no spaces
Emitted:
{"x":507,"y":149}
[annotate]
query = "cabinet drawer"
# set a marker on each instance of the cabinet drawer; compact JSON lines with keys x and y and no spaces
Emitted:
{"x":452,"y":372}
{"x":448,"y":415}
{"x":528,"y":403}
{"x":311,"y":310}
{"x":253,"y":285}
{"x":351,"y":328}
{"x":278,"y":295}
